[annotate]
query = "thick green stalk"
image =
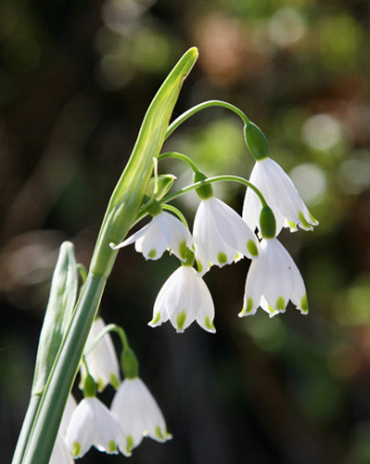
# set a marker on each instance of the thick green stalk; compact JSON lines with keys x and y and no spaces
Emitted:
{"x":120,"y":216}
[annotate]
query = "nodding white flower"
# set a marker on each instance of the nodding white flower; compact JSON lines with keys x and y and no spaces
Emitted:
{"x":280,"y":194}
{"x":102,"y":359}
{"x":61,"y":453}
{"x":71,"y":405}
{"x":138,"y":413}
{"x":92,"y":424}
{"x":164,"y":232}
{"x":272,"y":281}
{"x":220,"y":235}
{"x":184,"y":298}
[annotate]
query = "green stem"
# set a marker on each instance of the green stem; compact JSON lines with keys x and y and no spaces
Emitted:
{"x":210,"y":180}
{"x":180,"y":156}
{"x":202,"y":106}
{"x":64,"y":372}
{"x":107,"y":329}
{"x":26,"y":429}
{"x":178,"y":213}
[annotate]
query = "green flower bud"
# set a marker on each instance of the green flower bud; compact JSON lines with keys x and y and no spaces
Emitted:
{"x":129,"y":364}
{"x":267,"y":223}
{"x":206,"y":191}
{"x":164,"y":183}
{"x":256,"y":141}
{"x":89,"y":389}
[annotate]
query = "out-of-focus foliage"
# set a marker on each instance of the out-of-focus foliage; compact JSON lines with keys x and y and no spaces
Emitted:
{"x":75,"y":80}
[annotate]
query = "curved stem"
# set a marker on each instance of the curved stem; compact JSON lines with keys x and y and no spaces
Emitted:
{"x":107,"y":329}
{"x":202,"y":106}
{"x":178,"y":213}
{"x":210,"y":180}
{"x":180,"y":156}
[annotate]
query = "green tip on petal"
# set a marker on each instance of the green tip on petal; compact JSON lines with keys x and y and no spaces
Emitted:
{"x":199,"y":266}
{"x":76,"y":448}
{"x":222,"y":258}
{"x":112,"y":448}
{"x":209,"y":324}
{"x":304,"y":304}
{"x":280,"y":304}
{"x":181,"y":318}
{"x":156,"y":319}
{"x":114,"y":381}
{"x":152,"y":253}
{"x":314,"y":220}
{"x":130,"y":443}
{"x":100,"y":385}
{"x":159,"y":433}
{"x":247,"y":310}
{"x":182,"y":250}
{"x":252,"y":248}
{"x":303,"y":220}
{"x":292,"y":226}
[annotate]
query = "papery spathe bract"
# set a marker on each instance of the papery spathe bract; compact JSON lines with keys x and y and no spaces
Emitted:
{"x":273,"y":279}
{"x":138,"y":413}
{"x":220,"y":235}
{"x":92,"y":424}
{"x":102,"y":359}
{"x":280,"y":194}
{"x":184,"y":298}
{"x":164,"y":232}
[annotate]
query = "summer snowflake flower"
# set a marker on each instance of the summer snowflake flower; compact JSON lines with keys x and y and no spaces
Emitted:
{"x":272,"y":280}
{"x":184,"y":298}
{"x":102,"y":359}
{"x":92,"y":424}
{"x":164,"y":232}
{"x":220,"y":235}
{"x":280,"y":194}
{"x":138,"y":413}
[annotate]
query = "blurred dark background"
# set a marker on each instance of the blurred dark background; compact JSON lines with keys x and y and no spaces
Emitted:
{"x":76,"y":78}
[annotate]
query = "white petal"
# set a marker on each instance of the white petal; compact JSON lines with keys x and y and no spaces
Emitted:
{"x":61,"y":453}
{"x":175,"y":234}
{"x":67,"y":414}
{"x":255,"y":284}
{"x":138,"y":413}
{"x":206,"y":311}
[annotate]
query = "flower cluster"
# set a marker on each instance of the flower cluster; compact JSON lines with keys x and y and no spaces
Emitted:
{"x":220,"y":237}
{"x":134,"y":413}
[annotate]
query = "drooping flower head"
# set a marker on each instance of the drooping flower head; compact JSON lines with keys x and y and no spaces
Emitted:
{"x":280,"y":194}
{"x":273,"y":279}
{"x":164,"y":232}
{"x":184,"y":298}
{"x":138,"y":413}
{"x":220,"y":235}
{"x":92,"y":424}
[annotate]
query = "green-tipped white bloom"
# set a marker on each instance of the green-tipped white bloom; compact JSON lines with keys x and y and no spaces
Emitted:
{"x":67,"y":414}
{"x":61,"y":453}
{"x":272,"y":281}
{"x":102,"y":359}
{"x":92,"y":424}
{"x":164,"y":232}
{"x":138,"y":413}
{"x":184,"y":298}
{"x":220,"y":235}
{"x":280,"y":194}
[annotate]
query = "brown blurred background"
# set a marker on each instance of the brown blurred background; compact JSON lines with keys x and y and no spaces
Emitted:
{"x":75,"y":80}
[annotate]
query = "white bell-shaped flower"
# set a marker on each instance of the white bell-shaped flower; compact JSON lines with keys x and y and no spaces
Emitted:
{"x":102,"y":359}
{"x":138,"y":413}
{"x":92,"y":424}
{"x":71,"y":405}
{"x":61,"y":453}
{"x":164,"y":232}
{"x":184,"y":298}
{"x":280,"y":194}
{"x":273,"y":279}
{"x":220,"y":235}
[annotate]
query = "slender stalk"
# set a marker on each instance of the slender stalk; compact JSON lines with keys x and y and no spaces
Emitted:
{"x":61,"y":379}
{"x":26,"y":428}
{"x":202,"y":106}
{"x":180,"y":156}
